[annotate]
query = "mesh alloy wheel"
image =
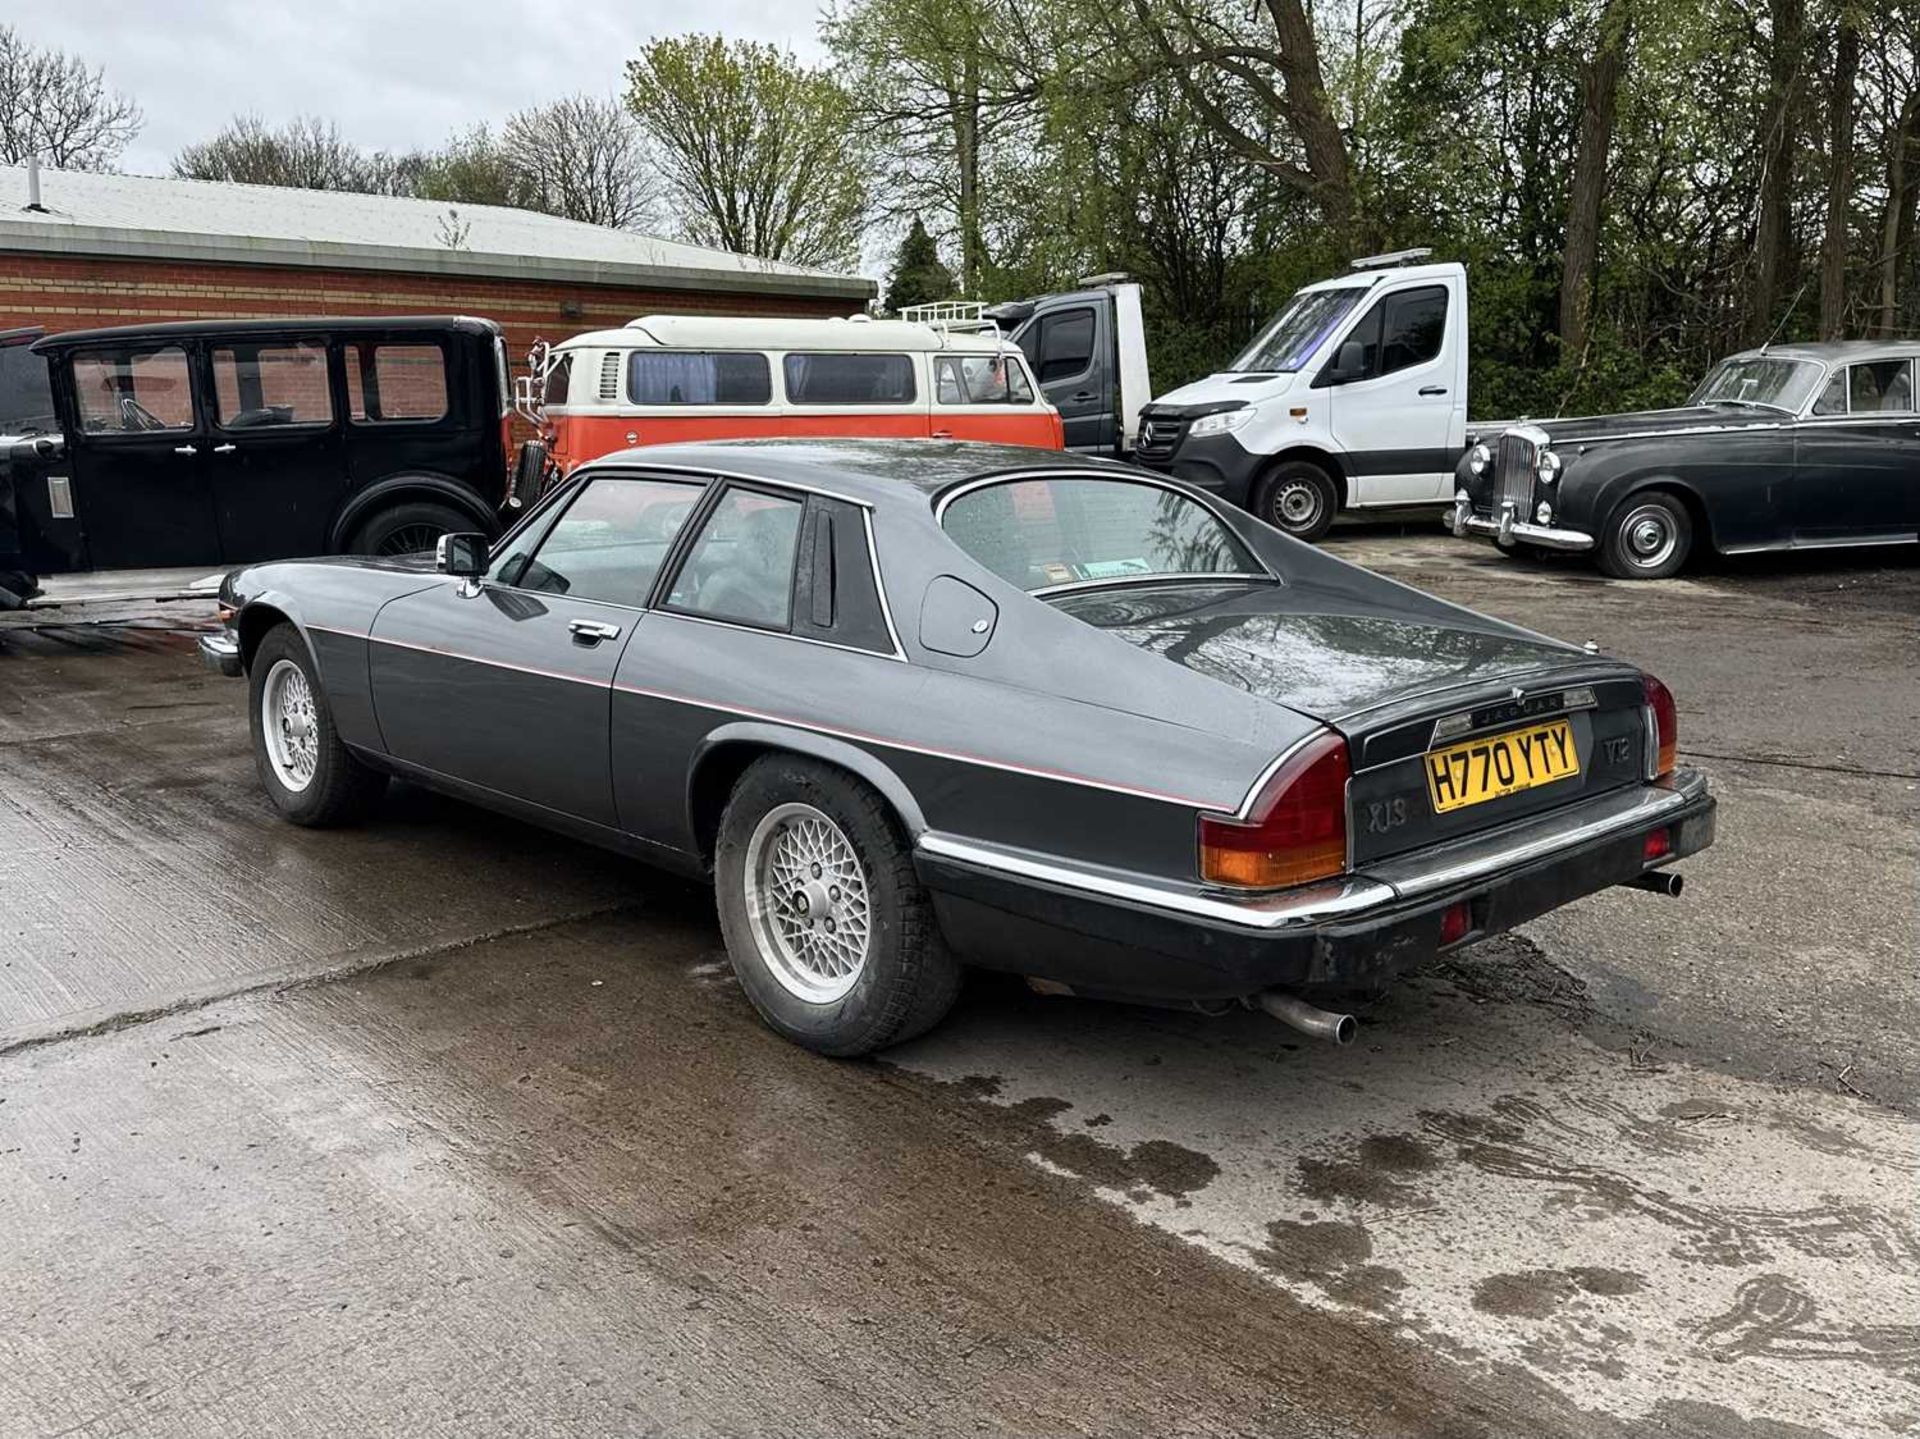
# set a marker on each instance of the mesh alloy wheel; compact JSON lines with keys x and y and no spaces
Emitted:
{"x":288,"y":726}
{"x":807,"y":898}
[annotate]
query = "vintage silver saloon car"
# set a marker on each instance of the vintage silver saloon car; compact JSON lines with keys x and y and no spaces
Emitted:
{"x":1789,"y":447}
{"x":915,"y":706}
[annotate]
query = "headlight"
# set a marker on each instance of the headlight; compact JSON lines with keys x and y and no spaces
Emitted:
{"x":1478,"y":458}
{"x":1220,"y":422}
{"x":1547,"y":468}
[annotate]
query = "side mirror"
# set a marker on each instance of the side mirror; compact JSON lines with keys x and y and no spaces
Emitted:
{"x":1351,"y":363}
{"x":462,"y":555}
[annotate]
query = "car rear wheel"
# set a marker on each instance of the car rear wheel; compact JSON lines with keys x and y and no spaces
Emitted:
{"x":1648,"y":537}
{"x":311,"y":777}
{"x":829,"y":930}
{"x":407,"y":529}
{"x":1298,"y":498}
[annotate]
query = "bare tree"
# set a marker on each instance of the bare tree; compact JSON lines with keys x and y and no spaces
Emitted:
{"x":584,"y":158}
{"x":305,"y":154}
{"x":58,"y":107}
{"x":760,"y":154}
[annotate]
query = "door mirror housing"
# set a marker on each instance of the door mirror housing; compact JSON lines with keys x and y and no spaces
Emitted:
{"x":1350,"y":363}
{"x":462,"y":555}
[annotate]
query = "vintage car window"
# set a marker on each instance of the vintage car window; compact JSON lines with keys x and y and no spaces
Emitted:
{"x":836,"y":378}
{"x":1292,"y":336}
{"x":26,"y":391}
{"x":1773,"y":382}
{"x":396,"y":383}
{"x":609,"y":543}
{"x":689,"y":377}
{"x":271,"y":385}
{"x":1880,"y":387}
{"x":1039,"y":534}
{"x":1060,"y":345}
{"x":980,"y":380}
{"x":130,"y":391}
{"x":741,"y":563}
{"x":1833,"y":399}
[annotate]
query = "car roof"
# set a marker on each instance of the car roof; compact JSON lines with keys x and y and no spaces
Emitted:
{"x":1837,"y":351}
{"x":877,"y":471}
{"x":773,"y":332}
{"x":308,"y":324}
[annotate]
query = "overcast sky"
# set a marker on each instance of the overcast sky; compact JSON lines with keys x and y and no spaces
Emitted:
{"x":394,"y":74}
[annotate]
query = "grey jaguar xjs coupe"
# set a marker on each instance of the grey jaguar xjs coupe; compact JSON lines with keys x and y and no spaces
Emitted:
{"x":916,"y":706}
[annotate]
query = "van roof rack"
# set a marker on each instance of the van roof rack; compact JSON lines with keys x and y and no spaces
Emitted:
{"x":1105,"y":277}
{"x":960,"y":317}
{"x":1397,"y":257}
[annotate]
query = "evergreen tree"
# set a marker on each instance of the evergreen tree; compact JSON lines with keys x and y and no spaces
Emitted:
{"x":917,"y":277}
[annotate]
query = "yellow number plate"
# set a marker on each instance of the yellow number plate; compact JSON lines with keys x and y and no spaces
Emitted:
{"x":1477,"y":770}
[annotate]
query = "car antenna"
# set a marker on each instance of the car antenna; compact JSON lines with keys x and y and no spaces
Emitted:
{"x":1785,"y":315}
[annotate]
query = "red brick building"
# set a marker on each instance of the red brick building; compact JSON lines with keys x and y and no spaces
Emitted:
{"x":91,"y":250}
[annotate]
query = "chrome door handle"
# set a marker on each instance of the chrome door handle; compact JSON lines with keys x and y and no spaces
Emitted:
{"x":591,"y":632}
{"x":942,"y":434}
{"x":1433,"y":389}
{"x":185,"y":450}
{"x":225,"y":449}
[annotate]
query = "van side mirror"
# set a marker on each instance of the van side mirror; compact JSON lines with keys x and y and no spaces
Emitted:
{"x":462,"y":555}
{"x":1351,"y":363}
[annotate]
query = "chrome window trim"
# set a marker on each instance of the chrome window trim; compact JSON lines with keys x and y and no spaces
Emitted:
{"x":1167,"y":578}
{"x":880,"y":585}
{"x":626,"y":461}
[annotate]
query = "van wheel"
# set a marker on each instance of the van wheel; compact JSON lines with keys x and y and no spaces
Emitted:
{"x":311,"y":777}
{"x":1648,"y":537}
{"x":1299,"y":499}
{"x":829,"y":930}
{"x":407,"y":529}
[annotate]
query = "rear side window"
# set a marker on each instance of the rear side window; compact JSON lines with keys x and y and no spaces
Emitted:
{"x":271,"y":385}
{"x":1039,"y":534}
{"x":1060,"y":346}
{"x":980,"y":380}
{"x":656,"y":377}
{"x":836,"y":378}
{"x":392,"y":382}
{"x":129,"y":391}
{"x":1884,"y":386}
{"x":741,"y":563}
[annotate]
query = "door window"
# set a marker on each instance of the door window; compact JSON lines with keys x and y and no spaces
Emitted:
{"x":278,"y":384}
{"x":1060,"y":345}
{"x":132,"y":391}
{"x":608,"y":544}
{"x":389,"y":383}
{"x":657,"y":377}
{"x":741,"y":564}
{"x":1884,"y":386}
{"x":1833,"y":399}
{"x":849,"y":379}
{"x":981,"y":380}
{"x":1398,"y":332}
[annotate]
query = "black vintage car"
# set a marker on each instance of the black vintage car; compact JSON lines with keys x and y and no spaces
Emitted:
{"x":1787,"y":447}
{"x":209,"y":443}
{"x":917,"y":705}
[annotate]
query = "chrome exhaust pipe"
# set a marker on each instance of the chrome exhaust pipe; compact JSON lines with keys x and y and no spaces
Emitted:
{"x":1659,"y":881}
{"x":1307,"y":1018}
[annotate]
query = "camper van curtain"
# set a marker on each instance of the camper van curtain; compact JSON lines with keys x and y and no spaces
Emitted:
{"x":687,"y":377}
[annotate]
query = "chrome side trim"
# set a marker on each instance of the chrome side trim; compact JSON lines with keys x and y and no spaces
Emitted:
{"x":1168,"y":578}
{"x":1847,"y":542}
{"x":1265,"y":913}
{"x":1537,"y":838}
{"x":1244,"y":811}
{"x":880,"y":585}
{"x":626,"y":460}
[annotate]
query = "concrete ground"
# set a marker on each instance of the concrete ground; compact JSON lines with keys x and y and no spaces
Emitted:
{"x":445,"y":1125}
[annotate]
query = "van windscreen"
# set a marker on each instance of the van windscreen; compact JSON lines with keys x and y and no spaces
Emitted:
{"x":698,"y":377}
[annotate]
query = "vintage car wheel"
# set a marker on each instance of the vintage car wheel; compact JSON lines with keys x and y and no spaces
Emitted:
{"x":311,"y":777}
{"x":408,"y":529}
{"x":1299,"y":499}
{"x":829,"y":930}
{"x":1648,"y":537}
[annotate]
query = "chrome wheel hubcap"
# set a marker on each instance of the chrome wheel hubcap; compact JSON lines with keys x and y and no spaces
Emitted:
{"x":807,"y":899}
{"x":1297,"y":505}
{"x":289,"y":726}
{"x":1650,"y":537}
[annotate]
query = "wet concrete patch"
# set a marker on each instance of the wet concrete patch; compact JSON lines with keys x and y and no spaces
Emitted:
{"x":1538,"y":1293}
{"x":1332,"y":1257}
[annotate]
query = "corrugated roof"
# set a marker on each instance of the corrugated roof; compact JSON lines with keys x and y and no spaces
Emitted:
{"x":148,"y":217}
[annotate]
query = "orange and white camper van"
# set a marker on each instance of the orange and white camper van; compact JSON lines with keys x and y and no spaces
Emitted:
{"x":666,"y":378}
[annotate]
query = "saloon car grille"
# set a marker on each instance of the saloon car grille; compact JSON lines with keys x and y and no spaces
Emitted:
{"x":1159,"y":436}
{"x":1514,"y":460}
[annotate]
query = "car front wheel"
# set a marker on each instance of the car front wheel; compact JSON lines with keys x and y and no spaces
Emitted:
{"x":829,"y":930}
{"x":311,"y":777}
{"x":1298,"y":498}
{"x":1648,"y":538}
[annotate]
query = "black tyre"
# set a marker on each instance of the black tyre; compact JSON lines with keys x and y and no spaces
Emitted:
{"x":407,"y":528}
{"x":311,"y":777}
{"x":1298,"y":498}
{"x":1648,"y":537}
{"x":829,"y":930}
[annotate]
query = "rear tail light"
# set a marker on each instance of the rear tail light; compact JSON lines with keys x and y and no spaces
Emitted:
{"x":1664,"y":722}
{"x":1659,"y":844}
{"x":1455,"y":921}
{"x":1296,"y":831}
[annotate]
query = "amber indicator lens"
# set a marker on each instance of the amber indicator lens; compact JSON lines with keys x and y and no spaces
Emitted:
{"x":1297,"y":831}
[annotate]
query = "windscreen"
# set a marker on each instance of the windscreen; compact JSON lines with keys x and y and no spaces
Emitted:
{"x":1300,"y":328}
{"x":26,"y":396}
{"x":1774,"y":381}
